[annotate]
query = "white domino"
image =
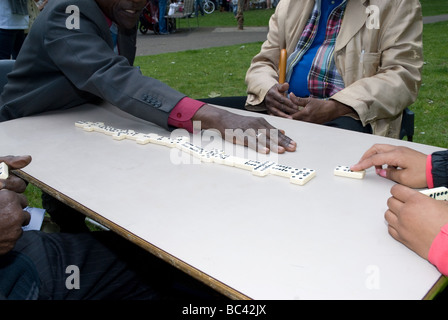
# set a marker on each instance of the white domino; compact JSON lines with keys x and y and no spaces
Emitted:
{"x":282,"y":170}
{"x":440,"y":193}
{"x":245,"y":164}
{"x":119,"y":135}
{"x":344,"y":171}
{"x":263,"y":169}
{"x":4,"y":173}
{"x":258,"y":168}
{"x":302,"y":176}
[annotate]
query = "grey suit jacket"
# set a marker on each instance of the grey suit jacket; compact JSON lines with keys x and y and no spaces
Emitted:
{"x":59,"y":68}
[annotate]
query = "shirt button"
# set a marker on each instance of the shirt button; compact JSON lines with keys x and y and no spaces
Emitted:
{"x":179,"y":115}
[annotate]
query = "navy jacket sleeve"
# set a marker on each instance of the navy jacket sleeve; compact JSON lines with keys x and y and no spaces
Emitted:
{"x":440,"y":168}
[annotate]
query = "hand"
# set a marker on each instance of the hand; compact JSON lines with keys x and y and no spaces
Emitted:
{"x":12,"y":202}
{"x":404,"y":165}
{"x":245,"y":130}
{"x":277,"y":103}
{"x":12,"y":218}
{"x":415,"y":219}
{"x":317,"y":110}
{"x":13,"y":182}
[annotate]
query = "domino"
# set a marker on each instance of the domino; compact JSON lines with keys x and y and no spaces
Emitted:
{"x":263,"y":169}
{"x":302,"y":176}
{"x":246,"y":164}
{"x":344,"y":171}
{"x":4,"y":173}
{"x":282,"y":170}
{"x":258,"y":168}
{"x":82,"y":124}
{"x":119,"y":135}
{"x":440,"y":193}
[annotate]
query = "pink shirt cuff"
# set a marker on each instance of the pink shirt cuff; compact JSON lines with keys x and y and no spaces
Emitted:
{"x":183,"y":112}
{"x":429,"y":179}
{"x":438,"y":253}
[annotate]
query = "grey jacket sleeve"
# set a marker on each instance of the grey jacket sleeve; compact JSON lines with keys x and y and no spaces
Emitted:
{"x":85,"y":57}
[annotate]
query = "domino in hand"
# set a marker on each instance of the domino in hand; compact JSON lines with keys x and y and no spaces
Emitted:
{"x":4,"y":173}
{"x":440,"y":193}
{"x":344,"y":171}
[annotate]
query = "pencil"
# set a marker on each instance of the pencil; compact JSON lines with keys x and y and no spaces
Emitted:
{"x":282,"y":67}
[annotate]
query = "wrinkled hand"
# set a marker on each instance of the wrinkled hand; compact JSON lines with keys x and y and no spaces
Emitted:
{"x":253,"y":132}
{"x":317,"y":110}
{"x":14,"y":183}
{"x":305,"y":109}
{"x":277,"y":103}
{"x":401,"y":164}
{"x":415,"y":219}
{"x":12,"y":202}
{"x":12,"y":218}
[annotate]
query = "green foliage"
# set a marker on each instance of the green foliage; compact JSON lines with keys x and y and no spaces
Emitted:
{"x":434,"y":7}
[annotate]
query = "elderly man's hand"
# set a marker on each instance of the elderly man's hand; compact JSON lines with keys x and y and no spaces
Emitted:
{"x":14,"y":183}
{"x":254,"y":132}
{"x":12,"y":203}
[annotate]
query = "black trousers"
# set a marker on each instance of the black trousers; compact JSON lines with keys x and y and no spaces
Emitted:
{"x":110,"y":268}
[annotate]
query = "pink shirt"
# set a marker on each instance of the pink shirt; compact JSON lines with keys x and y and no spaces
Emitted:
{"x":438,"y":253}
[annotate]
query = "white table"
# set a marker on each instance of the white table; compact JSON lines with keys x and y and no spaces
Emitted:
{"x":246,"y":236}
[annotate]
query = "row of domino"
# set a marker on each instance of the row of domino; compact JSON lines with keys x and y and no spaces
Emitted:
{"x":258,"y":168}
{"x":439,"y":193}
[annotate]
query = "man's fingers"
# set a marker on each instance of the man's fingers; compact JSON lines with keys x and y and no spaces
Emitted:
{"x":13,"y":183}
{"x":16,"y":162}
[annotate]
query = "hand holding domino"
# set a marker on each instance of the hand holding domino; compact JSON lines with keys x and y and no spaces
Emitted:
{"x":4,"y":172}
{"x":344,"y":171}
{"x":10,"y":181}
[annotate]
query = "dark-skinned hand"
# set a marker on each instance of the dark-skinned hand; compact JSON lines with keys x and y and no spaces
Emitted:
{"x":253,"y":132}
{"x":12,"y":203}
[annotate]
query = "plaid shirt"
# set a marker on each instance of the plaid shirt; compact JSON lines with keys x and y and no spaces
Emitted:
{"x":323,"y":79}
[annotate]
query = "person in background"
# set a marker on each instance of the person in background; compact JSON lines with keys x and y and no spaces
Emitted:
{"x":14,"y":20}
{"x":162,"y":19}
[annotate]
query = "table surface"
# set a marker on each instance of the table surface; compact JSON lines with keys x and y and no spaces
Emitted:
{"x":246,"y":236}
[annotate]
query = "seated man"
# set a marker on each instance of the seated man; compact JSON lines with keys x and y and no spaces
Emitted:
{"x":82,"y":51}
{"x":61,"y":266}
{"x":345,"y":68}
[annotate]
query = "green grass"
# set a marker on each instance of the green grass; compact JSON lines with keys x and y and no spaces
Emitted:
{"x":431,"y":107}
{"x":200,"y":73}
{"x":434,"y":7}
{"x":252,"y":18}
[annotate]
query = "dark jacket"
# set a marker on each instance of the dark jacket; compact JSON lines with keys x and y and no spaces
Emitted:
{"x":440,"y":168}
{"x":59,"y":68}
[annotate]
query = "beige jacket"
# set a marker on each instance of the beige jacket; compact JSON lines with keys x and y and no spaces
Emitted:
{"x":381,"y":67}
